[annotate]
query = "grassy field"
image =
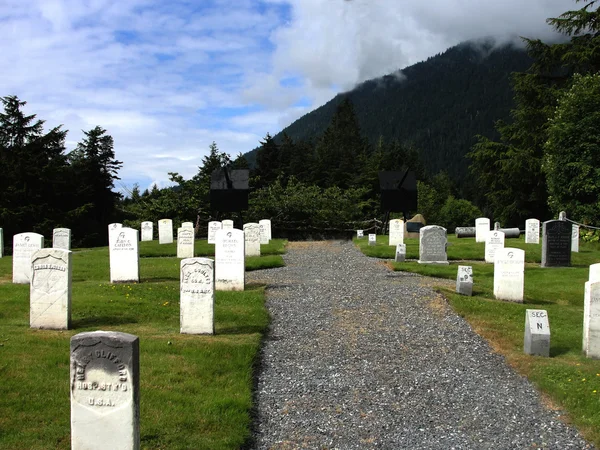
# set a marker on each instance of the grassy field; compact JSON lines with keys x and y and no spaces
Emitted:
{"x":196,"y":391}
{"x":567,"y":379}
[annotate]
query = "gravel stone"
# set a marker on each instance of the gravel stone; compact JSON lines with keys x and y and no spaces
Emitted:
{"x":358,"y":357}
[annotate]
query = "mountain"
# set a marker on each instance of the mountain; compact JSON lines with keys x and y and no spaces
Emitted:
{"x":437,"y":106}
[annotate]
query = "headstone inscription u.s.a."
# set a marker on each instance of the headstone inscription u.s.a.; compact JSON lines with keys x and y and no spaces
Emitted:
{"x":493,"y":241}
{"x":432,"y":245}
{"x":509,"y":274}
{"x":24,"y":245}
{"x":464,"y":280}
{"x":230,"y":274}
{"x":197,"y":296}
{"x":50,"y":290}
{"x":61,"y":238}
{"x":165,"y":231}
{"x":591,"y":320}
{"x":213,"y":226}
{"x":105,"y":394}
{"x":124,"y":255}
{"x":482,"y":227}
{"x":252,"y":239}
{"x":532,"y":231}
{"x":556,"y":243}
{"x":396,"y":232}
{"x":147,"y":231}
{"x":536,"y":340}
{"x":185,"y":242}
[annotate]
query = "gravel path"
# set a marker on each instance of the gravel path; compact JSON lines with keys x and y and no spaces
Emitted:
{"x":359,"y":357}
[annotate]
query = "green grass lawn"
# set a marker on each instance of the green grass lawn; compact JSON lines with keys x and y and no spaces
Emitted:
{"x":195,"y":391}
{"x":567,"y":379}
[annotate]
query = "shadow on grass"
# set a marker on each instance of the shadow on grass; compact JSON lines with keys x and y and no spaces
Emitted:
{"x":557,"y":351}
{"x":247,"y":329}
{"x":158,"y":280}
{"x":97,"y":321}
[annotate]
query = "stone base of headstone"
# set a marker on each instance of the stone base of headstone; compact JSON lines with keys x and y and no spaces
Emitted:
{"x":537,"y":333}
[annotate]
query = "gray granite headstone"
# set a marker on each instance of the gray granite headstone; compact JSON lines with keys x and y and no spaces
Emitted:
{"x":464,"y":280}
{"x":105,"y":393}
{"x":537,"y":333}
{"x":556,"y":243}
{"x":197,"y":296}
{"x":400,"y":253}
{"x":432,"y":245}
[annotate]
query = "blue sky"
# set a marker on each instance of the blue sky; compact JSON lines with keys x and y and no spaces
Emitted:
{"x":167,"y":78}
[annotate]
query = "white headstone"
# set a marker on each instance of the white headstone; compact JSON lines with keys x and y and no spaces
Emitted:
{"x":147,"y":231}
{"x":400,"y":253}
{"x":114,"y":226}
{"x":265,"y":236}
{"x":229,"y":260}
{"x":50,"y":291}
{"x":482,"y":226}
{"x":372,"y":239}
{"x":185,"y":242}
{"x":594,"y":273}
{"x":493,"y":241}
{"x":124,"y":255}
{"x":509,"y":270}
{"x":252,"y":239}
{"x":532,"y":231}
{"x":165,"y":231}
{"x":562,"y":215}
{"x":396,"y":234}
{"x":432,"y":245}
{"x":105,"y":391}
{"x":197,"y":296}
{"x":537,"y":333}
{"x":187,"y":225}
{"x":227,"y":224}
{"x":591,"y":320}
{"x":212,"y":230}
{"x":24,"y":246}
{"x":575,"y":239}
{"x":61,"y":238}
{"x":464,"y":280}
{"x":360,"y":234}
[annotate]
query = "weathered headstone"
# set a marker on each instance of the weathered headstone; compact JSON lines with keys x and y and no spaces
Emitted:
{"x":532,"y":231}
{"x":464,"y":280}
{"x":24,"y":246}
{"x":187,"y":225}
{"x":591,"y":320}
{"x":360,"y":234}
{"x":400,"y":253}
{"x":147,"y":231}
{"x":562,"y":215}
{"x":432,"y":245}
{"x":537,"y":333}
{"x":185,"y":242}
{"x":575,"y":238}
{"x":229,"y":260}
{"x":50,"y":291}
{"x":197,"y":296}
{"x":493,"y":242}
{"x":227,"y":224}
{"x":482,"y":227}
{"x":496,"y":226}
{"x":213,"y":226}
{"x":252,"y":239}
{"x":509,"y":270}
{"x":556,"y":243}
{"x":105,"y":391}
{"x":61,"y":238}
{"x":396,"y":233}
{"x":265,"y":231}
{"x":594,"y":273}
{"x":165,"y":231}
{"x":124,"y":255}
{"x":372,"y":239}
{"x":464,"y":232}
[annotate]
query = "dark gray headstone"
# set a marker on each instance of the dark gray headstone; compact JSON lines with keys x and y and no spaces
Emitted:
{"x":556,"y":243}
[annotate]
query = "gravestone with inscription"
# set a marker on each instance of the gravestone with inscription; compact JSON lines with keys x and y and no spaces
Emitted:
{"x":147,"y":231}
{"x":591,"y":320}
{"x":50,"y":290}
{"x":24,"y":246}
{"x":575,"y":238}
{"x":537,"y":333}
{"x":396,"y":233}
{"x":197,"y":296}
{"x":464,"y":280}
{"x":185,"y":242}
{"x":493,"y":241}
{"x":265,"y":233}
{"x":105,"y":391}
{"x":61,"y":238}
{"x":532,"y":231}
{"x":372,"y":239}
{"x":594,"y":272}
{"x":213,"y":226}
{"x":400,"y":253}
{"x":432,"y":245}
{"x":556,"y":243}
{"x":187,"y":225}
{"x":229,"y":260}
{"x":227,"y":224}
{"x":165,"y":231}
{"x":360,"y":234}
{"x":124,"y":255}
{"x":482,"y":227}
{"x":252,"y":239}
{"x":509,"y":274}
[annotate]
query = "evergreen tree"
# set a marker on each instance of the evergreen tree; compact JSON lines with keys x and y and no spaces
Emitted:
{"x":267,"y":162}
